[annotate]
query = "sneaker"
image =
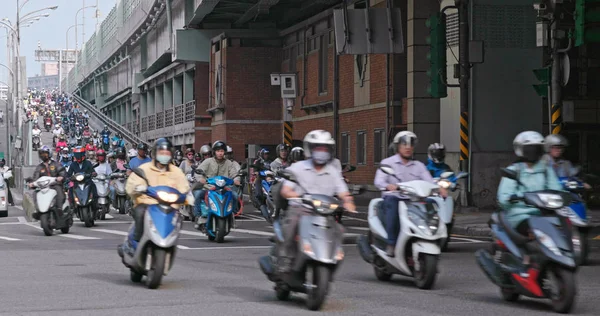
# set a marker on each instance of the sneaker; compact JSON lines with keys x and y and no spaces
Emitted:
{"x":113,"y":209}
{"x":389,"y":251}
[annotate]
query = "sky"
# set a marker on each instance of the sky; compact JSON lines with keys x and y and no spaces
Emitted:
{"x":50,"y":31}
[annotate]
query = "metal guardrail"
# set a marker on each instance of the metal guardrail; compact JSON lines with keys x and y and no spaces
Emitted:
{"x":129,"y":136}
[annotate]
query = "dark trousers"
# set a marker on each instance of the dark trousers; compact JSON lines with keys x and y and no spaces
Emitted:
{"x":392,"y":218}
{"x":138,"y":216}
{"x":10,"y":198}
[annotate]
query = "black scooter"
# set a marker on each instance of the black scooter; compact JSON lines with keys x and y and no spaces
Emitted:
{"x":83,"y":198}
{"x":551,"y":271}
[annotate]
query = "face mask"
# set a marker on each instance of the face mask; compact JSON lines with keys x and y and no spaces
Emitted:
{"x":321,"y":157}
{"x":163,"y":159}
{"x":45,"y":158}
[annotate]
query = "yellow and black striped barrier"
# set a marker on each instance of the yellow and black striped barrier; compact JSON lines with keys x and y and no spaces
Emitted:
{"x":287,"y":132}
{"x":464,"y":136}
{"x":556,"y":119}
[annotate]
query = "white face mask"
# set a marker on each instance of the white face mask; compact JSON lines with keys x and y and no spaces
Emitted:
{"x":163,"y":159}
{"x":321,"y":157}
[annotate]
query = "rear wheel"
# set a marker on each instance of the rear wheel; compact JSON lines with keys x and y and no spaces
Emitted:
{"x":157,"y":268}
{"x":320,"y":285}
{"x":122,"y":209}
{"x":425,"y":278}
{"x":45,"y":224}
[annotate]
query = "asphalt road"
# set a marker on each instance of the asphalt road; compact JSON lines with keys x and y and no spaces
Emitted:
{"x":80,"y":273}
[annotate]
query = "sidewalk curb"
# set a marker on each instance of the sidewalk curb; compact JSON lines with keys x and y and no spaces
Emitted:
{"x":474,"y":230}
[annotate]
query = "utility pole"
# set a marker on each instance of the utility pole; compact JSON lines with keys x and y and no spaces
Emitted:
{"x":465,"y":76}
{"x":17,"y":84}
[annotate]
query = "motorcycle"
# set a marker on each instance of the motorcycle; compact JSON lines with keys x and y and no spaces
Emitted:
{"x":188,"y":210}
{"x":577,"y":214}
{"x":154,"y":254}
{"x":421,"y":231}
{"x":121,"y":198}
{"x":101,"y":182}
{"x":48,"y":125}
{"x":219,"y":200}
{"x":447,"y":180}
{"x":35,"y":141}
{"x":105,"y":143}
{"x":83,"y":199}
{"x":4,"y":192}
{"x":48,"y":212}
{"x":268,"y":180}
{"x":549,"y":246}
{"x":319,"y":251}
{"x":78,"y":139}
{"x":240,"y":193}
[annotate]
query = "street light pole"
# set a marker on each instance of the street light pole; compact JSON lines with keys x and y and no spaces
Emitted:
{"x":76,"y":24}
{"x":67,"y":43}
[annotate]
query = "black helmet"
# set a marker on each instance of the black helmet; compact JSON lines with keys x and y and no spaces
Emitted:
{"x":297,"y":154}
{"x":142,"y":146}
{"x":282,"y":147}
{"x":161,"y":144}
{"x":120,"y":153}
{"x":219,"y":145}
{"x":190,"y":150}
{"x":436,"y":152}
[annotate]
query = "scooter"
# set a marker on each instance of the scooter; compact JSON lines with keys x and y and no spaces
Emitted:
{"x":35,"y":141}
{"x":219,"y":200}
{"x":48,"y":125}
{"x":577,"y":214}
{"x":188,"y":210}
{"x":319,"y":251}
{"x":154,"y":254}
{"x":121,"y":197}
{"x":101,"y":182}
{"x":4,"y":192}
{"x":47,"y":212}
{"x":268,"y":179}
{"x":418,"y":246}
{"x":549,"y":247}
{"x":447,"y":180}
{"x":83,"y":199}
{"x":105,"y":143}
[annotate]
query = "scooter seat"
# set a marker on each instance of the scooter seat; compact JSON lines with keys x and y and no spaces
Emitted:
{"x":514,"y":235}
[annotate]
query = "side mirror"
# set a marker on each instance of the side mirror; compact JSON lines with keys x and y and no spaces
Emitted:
{"x":287,"y":175}
{"x":387,"y":170}
{"x":348,"y":168}
{"x":140,"y":173}
{"x":446,"y":175}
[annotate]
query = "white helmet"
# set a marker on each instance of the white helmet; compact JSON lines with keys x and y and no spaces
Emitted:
{"x":555,"y":140}
{"x":229,"y":150}
{"x":529,"y":145}
{"x":406,"y":137}
{"x":316,"y":138}
{"x":132,"y":153}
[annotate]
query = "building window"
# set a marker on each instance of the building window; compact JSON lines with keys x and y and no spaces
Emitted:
{"x":361,"y":148}
{"x":345,"y":154}
{"x":379,"y":145}
{"x":323,"y":59}
{"x":293,"y":56}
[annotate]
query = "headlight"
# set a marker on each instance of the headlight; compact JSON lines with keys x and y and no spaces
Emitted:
{"x":212,"y":205}
{"x":547,"y":242}
{"x":167,"y":197}
{"x":552,"y":201}
{"x":79,"y":177}
{"x":572,"y":185}
{"x":220,"y":183}
{"x":444,"y":184}
{"x":420,"y":222}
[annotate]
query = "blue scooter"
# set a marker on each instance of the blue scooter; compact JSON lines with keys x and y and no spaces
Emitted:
{"x":577,"y":213}
{"x":221,"y":204}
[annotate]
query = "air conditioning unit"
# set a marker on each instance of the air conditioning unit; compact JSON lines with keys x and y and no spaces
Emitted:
{"x":289,"y":87}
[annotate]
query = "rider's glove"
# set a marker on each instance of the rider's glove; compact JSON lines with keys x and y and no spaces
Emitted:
{"x":141,"y":188}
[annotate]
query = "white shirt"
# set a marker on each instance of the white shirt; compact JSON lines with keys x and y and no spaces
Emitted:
{"x":103,"y":168}
{"x":57,"y":131}
{"x":36,"y":132}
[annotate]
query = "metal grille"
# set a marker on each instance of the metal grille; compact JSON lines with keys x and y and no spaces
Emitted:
{"x":505,"y":26}
{"x":90,"y":47}
{"x":168,"y":117}
{"x":190,"y":111}
{"x":109,"y":26}
{"x":179,"y":114}
{"x":452,"y":29}
{"x":144,"y":124}
{"x":160,"y":120}
{"x":129,"y":7}
{"x":151,"y":122}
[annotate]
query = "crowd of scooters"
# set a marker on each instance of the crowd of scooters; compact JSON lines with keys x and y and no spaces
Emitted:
{"x":539,"y":235}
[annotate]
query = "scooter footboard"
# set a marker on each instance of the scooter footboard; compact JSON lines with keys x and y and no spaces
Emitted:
{"x":427,"y":247}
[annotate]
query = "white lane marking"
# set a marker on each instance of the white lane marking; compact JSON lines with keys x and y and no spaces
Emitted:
{"x":239,"y":247}
{"x":468,"y":239}
{"x":12,"y":223}
{"x":358,"y":228}
{"x":9,"y":239}
{"x":252,"y":232}
{"x":187,"y":232}
{"x":72,"y":236}
{"x":110,"y":231}
{"x":355,"y":219}
{"x":182,"y":247}
{"x":22,"y":219}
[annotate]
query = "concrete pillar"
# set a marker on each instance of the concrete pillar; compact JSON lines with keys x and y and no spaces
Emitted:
{"x":178,"y":90}
{"x":158,"y":98}
{"x":143,"y":104}
{"x":150,"y":105}
{"x":423,"y":113}
{"x":188,"y":86}
{"x":168,"y":95}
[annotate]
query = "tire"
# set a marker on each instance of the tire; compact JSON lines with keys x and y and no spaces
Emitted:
{"x":105,"y":210}
{"x":65,"y":230}
{"x":566,"y":279}
{"x":584,"y":244}
{"x":282,"y":294}
{"x":316,"y":296}
{"x":220,"y":230}
{"x":135,"y":277}
{"x":509,"y":295}
{"x":45,"y":224}
{"x":157,"y":269}
{"x":121,"y":202}
{"x":428,"y":273}
{"x":87,"y":217}
{"x":382,"y":275}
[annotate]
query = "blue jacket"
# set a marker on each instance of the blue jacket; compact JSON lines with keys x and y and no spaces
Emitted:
{"x":436,"y":169}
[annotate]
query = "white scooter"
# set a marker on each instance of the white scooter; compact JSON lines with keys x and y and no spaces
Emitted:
{"x":447,"y":180}
{"x":47,"y":212}
{"x":35,"y":140}
{"x":101,"y":182}
{"x":417,"y":249}
{"x":4,"y":176}
{"x":188,"y":210}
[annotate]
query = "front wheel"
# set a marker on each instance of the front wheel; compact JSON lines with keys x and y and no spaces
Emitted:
{"x":157,"y":269}
{"x":584,"y":246}
{"x":321,"y":275}
{"x":425,"y":278}
{"x":88,"y":218}
{"x":122,"y":209}
{"x":282,"y":293}
{"x":65,"y":230}
{"x":45,"y":224}
{"x":563,"y":292}
{"x":221,"y":230}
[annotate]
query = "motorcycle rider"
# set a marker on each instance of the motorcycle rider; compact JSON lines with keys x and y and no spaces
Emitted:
{"x":61,"y":143}
{"x":82,"y":165}
{"x":57,"y":131}
{"x":120,"y":161}
{"x":534,"y":173}
{"x":282,"y":160}
{"x":188,"y":162}
{"x":141,"y":157}
{"x":72,"y":139}
{"x":3,"y":171}
{"x":296,"y":154}
{"x":229,"y":156}
{"x":36,"y":131}
{"x":90,"y":146}
{"x":436,"y":153}
{"x":317,"y":176}
{"x":212,"y":167}
{"x":406,"y":169}
{"x":198,"y":158}
{"x":49,"y":168}
{"x":158,"y":172}
{"x":65,"y":158}
{"x":555,"y":146}
{"x":102,"y":166}
{"x":206,"y":152}
{"x":261,"y":162}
